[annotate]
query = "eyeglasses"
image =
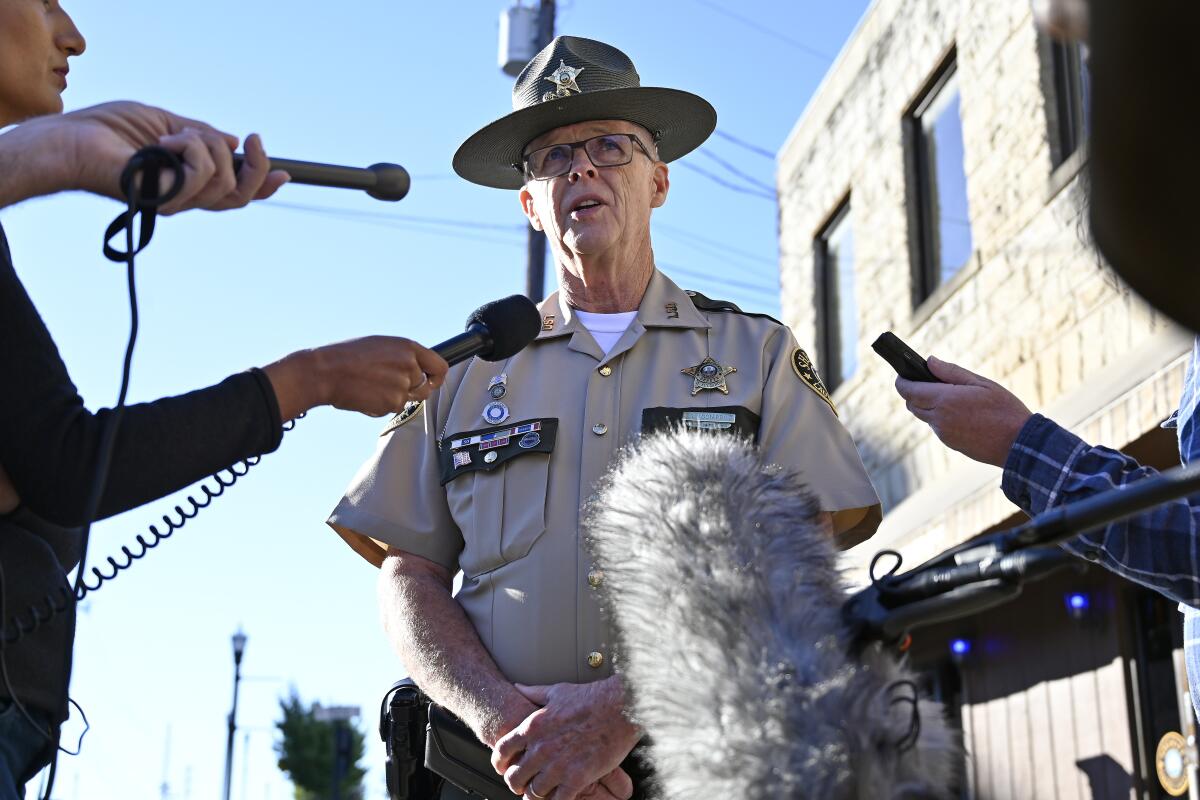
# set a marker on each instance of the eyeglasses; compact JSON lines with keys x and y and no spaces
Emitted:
{"x":606,"y":150}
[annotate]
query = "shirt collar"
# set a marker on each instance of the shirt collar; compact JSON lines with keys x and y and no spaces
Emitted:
{"x":664,"y":305}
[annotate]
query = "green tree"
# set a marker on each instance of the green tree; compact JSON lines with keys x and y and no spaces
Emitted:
{"x":307,"y":751}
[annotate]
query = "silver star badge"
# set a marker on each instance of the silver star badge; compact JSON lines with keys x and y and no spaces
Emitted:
{"x":564,"y":79}
{"x":709,"y":374}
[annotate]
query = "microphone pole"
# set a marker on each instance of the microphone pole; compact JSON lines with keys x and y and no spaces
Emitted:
{"x":1059,"y":524}
{"x":382,"y":181}
{"x":984,"y":573}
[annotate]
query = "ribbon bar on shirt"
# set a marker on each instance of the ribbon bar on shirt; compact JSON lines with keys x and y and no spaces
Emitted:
{"x":484,"y":439}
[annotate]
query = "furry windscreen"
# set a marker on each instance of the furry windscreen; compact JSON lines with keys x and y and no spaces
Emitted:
{"x":726,"y":598}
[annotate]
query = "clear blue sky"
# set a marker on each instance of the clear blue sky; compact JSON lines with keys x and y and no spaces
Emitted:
{"x":345,"y":83}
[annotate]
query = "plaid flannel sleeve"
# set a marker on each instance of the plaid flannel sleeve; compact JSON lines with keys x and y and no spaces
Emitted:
{"x":1048,"y":466}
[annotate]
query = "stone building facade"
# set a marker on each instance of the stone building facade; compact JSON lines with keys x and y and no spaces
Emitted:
{"x":1028,"y":304}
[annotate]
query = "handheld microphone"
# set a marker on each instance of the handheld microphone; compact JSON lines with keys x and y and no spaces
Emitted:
{"x":494,"y":331}
{"x":381,"y":181}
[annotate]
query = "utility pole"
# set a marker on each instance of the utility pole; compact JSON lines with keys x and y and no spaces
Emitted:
{"x":535,"y":270}
{"x":524,"y":32}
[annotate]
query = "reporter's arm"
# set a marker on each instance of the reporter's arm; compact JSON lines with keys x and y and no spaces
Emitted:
{"x":28,"y":167}
{"x":1049,"y":466}
{"x":49,"y":440}
{"x":1046,"y":466}
{"x":374,"y":375}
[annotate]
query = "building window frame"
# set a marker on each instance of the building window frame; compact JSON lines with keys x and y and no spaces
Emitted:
{"x":1064,"y":67}
{"x":924,"y":234}
{"x":829,"y":337}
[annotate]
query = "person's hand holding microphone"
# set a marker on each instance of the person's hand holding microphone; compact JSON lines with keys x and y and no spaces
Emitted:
{"x":374,"y":375}
{"x":88,"y":149}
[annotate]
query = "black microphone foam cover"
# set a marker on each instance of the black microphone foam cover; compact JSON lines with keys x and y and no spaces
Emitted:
{"x":513,"y":322}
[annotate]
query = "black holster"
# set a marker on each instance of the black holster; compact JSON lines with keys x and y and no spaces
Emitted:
{"x":403,"y":718}
{"x":428,"y":746}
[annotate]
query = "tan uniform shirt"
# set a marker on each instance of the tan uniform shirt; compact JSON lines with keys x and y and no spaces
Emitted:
{"x":508,"y":516}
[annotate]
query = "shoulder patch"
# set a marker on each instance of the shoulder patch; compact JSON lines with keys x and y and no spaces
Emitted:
{"x":411,"y":410}
{"x":803,"y":367}
{"x":708,"y":304}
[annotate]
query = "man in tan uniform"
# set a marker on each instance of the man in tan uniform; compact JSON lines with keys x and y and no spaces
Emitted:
{"x":489,"y":475}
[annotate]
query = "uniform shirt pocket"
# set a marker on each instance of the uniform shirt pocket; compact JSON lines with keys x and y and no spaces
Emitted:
{"x":499,"y":502}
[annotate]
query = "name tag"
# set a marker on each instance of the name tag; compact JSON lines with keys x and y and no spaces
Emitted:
{"x":737,"y":420}
{"x":709,"y":420}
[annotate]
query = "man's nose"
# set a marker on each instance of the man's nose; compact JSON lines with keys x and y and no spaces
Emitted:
{"x":580,"y":164}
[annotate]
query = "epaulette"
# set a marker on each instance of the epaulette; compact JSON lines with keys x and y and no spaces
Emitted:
{"x":708,"y":304}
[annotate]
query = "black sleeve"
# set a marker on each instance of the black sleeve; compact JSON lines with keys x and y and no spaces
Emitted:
{"x":49,"y":441}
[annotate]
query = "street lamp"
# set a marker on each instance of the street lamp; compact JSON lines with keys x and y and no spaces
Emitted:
{"x":239,"y":647}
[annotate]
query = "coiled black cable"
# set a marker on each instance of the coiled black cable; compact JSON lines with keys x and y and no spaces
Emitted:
{"x":140,"y":183}
{"x":146,"y":542}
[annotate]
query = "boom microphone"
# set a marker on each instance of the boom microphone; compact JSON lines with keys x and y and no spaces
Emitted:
{"x":381,"y":181}
{"x":741,"y":673}
{"x":495,"y":331}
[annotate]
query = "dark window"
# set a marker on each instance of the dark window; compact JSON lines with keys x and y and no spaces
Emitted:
{"x":834,"y":250}
{"x":1070,"y":118}
{"x":940,"y":222}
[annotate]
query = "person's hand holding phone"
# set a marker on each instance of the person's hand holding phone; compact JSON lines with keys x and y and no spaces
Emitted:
{"x":969,"y":413}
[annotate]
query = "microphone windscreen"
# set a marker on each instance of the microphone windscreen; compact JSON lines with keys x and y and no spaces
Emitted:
{"x":513,"y":322}
{"x":725,"y":595}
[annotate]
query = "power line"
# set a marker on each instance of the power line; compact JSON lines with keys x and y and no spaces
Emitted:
{"x":395,"y":223}
{"x":423,"y":225}
{"x":732,"y":284}
{"x":706,"y":246}
{"x":750,"y":179}
{"x":722,"y":182}
{"x":515,"y":229}
{"x":812,"y":51}
{"x":685,"y":234}
{"x":753,"y":148}
{"x":383,"y":215}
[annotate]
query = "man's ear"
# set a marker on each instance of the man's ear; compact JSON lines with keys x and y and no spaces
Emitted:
{"x":529,"y":209}
{"x":660,"y":184}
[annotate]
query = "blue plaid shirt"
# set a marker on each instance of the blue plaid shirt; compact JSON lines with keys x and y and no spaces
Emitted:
{"x":1049,"y":466}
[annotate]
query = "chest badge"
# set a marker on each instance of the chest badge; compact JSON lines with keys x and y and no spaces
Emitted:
{"x":495,"y":413}
{"x":709,"y":374}
{"x":498,"y":386}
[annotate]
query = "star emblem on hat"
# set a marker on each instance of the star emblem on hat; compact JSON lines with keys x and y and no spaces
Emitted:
{"x":563,"y":78}
{"x":709,"y":374}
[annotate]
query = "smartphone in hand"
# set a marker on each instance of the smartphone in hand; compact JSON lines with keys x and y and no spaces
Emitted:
{"x":904,"y":359}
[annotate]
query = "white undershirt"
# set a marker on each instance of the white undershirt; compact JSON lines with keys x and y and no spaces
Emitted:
{"x":606,"y":329}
